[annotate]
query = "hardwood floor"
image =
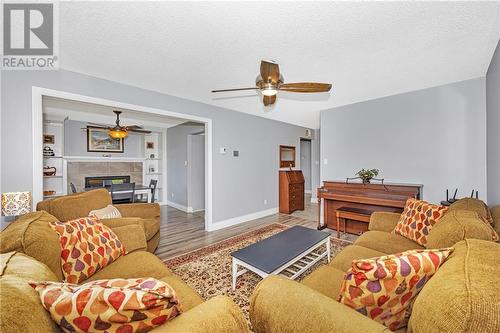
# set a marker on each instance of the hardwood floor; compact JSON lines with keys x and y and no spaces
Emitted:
{"x":182,"y":232}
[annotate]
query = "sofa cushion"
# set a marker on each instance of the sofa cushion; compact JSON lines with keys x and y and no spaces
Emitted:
{"x":32,"y":235}
{"x":495,"y":213}
{"x":116,"y":305}
{"x":343,"y":260}
{"x":417,"y":220}
{"x":21,"y":308}
{"x":151,"y":227}
{"x":384,"y":288}
{"x":474,"y":205}
{"x":458,"y":225}
{"x":463,"y":296}
{"x":77,"y":205}
{"x":326,"y":279}
{"x":87,"y":246}
{"x":188,"y":297}
{"x":386,"y":242}
{"x":133,"y":265}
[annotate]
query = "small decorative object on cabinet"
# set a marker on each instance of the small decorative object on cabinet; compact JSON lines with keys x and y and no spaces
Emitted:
{"x":291,"y":194}
{"x":367,"y":175}
{"x":49,"y":171}
{"x":47,"y":151}
{"x":49,"y":139}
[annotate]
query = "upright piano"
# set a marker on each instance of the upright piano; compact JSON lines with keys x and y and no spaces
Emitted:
{"x":388,"y":197}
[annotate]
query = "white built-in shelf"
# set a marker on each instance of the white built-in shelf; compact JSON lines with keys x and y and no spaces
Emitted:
{"x":153,"y":173}
{"x":153,"y":159}
{"x":52,"y":176}
{"x":52,"y":157}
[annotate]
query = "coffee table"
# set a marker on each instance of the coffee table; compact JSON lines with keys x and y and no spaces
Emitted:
{"x":292,"y":251}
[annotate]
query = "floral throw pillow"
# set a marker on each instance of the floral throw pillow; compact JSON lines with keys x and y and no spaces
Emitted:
{"x":87,"y":246}
{"x":417,"y":219}
{"x":108,"y":212}
{"x":385,"y":288}
{"x":117,"y":305}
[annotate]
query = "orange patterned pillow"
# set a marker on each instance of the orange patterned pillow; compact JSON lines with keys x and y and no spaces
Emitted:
{"x":385,"y":288}
{"x":417,"y":219}
{"x":118,"y":305}
{"x":87,"y":246}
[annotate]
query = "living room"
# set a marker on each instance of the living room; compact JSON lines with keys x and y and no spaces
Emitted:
{"x":365,"y":151}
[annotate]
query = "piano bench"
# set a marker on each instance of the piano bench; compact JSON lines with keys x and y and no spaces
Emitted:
{"x":352,"y":213}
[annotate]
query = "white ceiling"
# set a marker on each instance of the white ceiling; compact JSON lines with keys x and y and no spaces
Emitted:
{"x":366,"y":49}
{"x":57,"y":109}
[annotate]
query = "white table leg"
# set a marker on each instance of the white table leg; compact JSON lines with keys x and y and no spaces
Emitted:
{"x":149,"y":196}
{"x":235,"y":272}
{"x":328,"y":248}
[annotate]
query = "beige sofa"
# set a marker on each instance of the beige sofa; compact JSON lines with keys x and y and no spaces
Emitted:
{"x":462,"y":297}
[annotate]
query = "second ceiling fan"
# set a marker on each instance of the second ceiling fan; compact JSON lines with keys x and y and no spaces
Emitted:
{"x":270,"y":81}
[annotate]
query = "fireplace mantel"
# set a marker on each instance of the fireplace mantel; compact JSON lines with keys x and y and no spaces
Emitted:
{"x":103,"y":159}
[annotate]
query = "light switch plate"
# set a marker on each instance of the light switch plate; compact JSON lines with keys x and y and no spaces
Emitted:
{"x":325,"y":161}
{"x":223,"y":150}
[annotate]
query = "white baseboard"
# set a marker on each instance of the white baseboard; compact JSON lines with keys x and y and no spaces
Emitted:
{"x":314,"y":200}
{"x":243,"y":218}
{"x":192,"y":210}
{"x":177,"y":206}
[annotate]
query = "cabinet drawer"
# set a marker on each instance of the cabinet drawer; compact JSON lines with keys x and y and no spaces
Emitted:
{"x":296,"y":188}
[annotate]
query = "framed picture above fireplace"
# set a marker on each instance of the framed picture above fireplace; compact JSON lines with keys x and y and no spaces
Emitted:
{"x":98,"y":140}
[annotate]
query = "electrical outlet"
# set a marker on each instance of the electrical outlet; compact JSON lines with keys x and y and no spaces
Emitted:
{"x":325,"y":161}
{"x":265,"y":201}
{"x":172,"y":195}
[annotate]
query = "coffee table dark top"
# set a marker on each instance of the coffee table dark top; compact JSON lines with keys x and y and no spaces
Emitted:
{"x":273,"y":252}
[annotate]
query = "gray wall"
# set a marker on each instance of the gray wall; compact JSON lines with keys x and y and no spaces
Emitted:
{"x":196,"y":172}
{"x":256,"y":138}
{"x":315,"y":171}
{"x":305,"y":162}
{"x":493,"y":121}
{"x":75,"y":142}
{"x":436,"y":137}
{"x":177,"y":157}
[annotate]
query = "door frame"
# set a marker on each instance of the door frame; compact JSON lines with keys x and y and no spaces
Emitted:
{"x":37,"y":128}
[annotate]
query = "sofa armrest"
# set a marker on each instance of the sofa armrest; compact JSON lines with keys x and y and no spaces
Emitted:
{"x":383,"y":221}
{"x":282,"y":305}
{"x":142,"y":210}
{"x":218,"y":314}
{"x":132,"y":237}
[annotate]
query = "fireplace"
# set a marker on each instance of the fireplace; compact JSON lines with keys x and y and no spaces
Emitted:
{"x":105,"y":181}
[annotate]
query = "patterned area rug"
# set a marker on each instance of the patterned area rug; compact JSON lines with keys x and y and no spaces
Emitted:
{"x":208,"y":270}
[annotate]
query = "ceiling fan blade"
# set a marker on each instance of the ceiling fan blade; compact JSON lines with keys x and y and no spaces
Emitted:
{"x":234,"y":89}
{"x":139,"y":131}
{"x":133,"y":127}
{"x":97,"y":126}
{"x":268,"y":100}
{"x":269,"y":71}
{"x":305,"y":87}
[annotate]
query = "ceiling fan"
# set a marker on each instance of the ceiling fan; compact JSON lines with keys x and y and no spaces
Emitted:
{"x":118,"y":131}
{"x":270,"y":81}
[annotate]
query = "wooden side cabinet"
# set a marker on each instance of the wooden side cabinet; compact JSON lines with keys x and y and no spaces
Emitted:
{"x":291,"y":191}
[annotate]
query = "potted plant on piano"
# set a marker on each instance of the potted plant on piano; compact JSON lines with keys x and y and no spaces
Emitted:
{"x":367,"y":175}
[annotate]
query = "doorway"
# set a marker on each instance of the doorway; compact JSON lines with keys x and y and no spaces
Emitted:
{"x":37,"y":115}
{"x":305,"y":163}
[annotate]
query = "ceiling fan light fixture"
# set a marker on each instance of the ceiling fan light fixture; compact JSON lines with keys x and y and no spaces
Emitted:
{"x":269,"y":91}
{"x":117,"y":134}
